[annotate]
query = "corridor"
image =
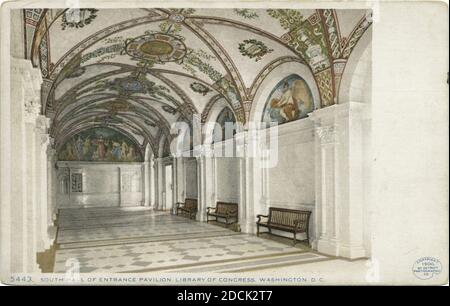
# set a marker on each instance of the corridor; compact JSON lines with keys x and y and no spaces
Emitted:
{"x":142,"y":240}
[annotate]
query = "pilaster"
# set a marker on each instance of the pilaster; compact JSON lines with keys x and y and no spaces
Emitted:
{"x":206,"y":178}
{"x":339,"y":211}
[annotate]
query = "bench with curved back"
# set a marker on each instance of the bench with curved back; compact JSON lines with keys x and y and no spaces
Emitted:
{"x":223,"y":210}
{"x":188,"y":208}
{"x":288,"y":220}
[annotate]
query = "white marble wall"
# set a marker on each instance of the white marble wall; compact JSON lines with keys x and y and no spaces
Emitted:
{"x":103,"y":184}
{"x":23,"y":189}
{"x":290,"y":182}
{"x":227,"y":186}
{"x":191,"y":178}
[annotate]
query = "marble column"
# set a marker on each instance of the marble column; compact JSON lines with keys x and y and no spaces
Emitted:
{"x":51,"y":185}
{"x":152,"y":182}
{"x":179,"y":179}
{"x":201,"y":193}
{"x":146,"y":182}
{"x":159,"y":184}
{"x":43,"y":123}
{"x":206,"y":180}
{"x":339,"y":213}
{"x":13,"y":220}
{"x":30,"y":223}
{"x":23,"y":154}
{"x":245,"y":142}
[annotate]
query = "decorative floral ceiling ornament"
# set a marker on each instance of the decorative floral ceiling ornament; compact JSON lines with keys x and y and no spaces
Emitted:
{"x":133,"y":84}
{"x":116,"y":106}
{"x":199,"y":88}
{"x":103,"y":53}
{"x":176,"y":17}
{"x":254,"y":49}
{"x":288,"y":18}
{"x":107,"y":120}
{"x":246,"y":13}
{"x":128,"y":85}
{"x":78,"y":18}
{"x":156,"y":47}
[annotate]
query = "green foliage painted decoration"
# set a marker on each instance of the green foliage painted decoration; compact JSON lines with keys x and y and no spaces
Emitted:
{"x":253,"y":48}
{"x":307,"y":37}
{"x":246,"y":13}
{"x":77,"y":18}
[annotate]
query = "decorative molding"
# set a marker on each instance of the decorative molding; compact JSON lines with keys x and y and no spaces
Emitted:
{"x":327,"y":134}
{"x":357,"y":33}
{"x":32,"y":110}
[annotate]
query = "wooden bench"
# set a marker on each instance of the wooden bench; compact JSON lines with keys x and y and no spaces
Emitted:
{"x":288,"y":220}
{"x":188,"y":208}
{"x":223,"y":210}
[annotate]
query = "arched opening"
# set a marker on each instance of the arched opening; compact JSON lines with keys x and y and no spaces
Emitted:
{"x":284,"y":101}
{"x":102,"y":168}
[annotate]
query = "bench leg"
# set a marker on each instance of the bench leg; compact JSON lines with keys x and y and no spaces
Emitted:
{"x":295,"y":238}
{"x":257,"y":230}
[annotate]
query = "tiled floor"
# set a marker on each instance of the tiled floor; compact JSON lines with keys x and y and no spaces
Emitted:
{"x":141,"y":240}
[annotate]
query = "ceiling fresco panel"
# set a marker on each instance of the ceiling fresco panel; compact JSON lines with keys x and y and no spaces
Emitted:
{"x":140,"y":70}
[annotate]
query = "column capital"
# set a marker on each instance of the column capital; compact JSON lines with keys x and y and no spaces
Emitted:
{"x":32,"y":110}
{"x":327,"y":134}
{"x":24,"y":68}
{"x":51,"y":153}
{"x":45,"y":140}
{"x":42,"y":123}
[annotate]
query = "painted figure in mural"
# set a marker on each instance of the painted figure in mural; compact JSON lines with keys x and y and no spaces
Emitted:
{"x":288,"y":106}
{"x":100,"y":144}
{"x":79,"y":147}
{"x":86,"y":147}
{"x":130,"y":154}
{"x":290,"y":100}
{"x":116,"y":151}
{"x":124,"y":151}
{"x":101,"y":148}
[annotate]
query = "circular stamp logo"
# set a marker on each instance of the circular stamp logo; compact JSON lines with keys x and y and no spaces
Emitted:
{"x":426,"y":267}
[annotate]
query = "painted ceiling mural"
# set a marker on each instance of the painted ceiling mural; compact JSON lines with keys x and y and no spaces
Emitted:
{"x":142,"y":69}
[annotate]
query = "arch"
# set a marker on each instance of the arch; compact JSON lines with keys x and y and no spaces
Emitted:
{"x":225,"y":117}
{"x":148,"y":153}
{"x":273,"y":79}
{"x":218,"y":106}
{"x":356,"y":72}
{"x":162,"y":146}
{"x":290,"y":100}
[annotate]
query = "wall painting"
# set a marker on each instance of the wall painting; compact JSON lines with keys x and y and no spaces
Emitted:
{"x":290,"y":100}
{"x":100,"y":145}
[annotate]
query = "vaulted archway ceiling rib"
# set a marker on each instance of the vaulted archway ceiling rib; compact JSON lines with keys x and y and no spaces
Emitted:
{"x":140,"y":70}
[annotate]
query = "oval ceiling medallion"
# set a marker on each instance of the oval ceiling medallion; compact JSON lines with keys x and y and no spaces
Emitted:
{"x":156,"y":47}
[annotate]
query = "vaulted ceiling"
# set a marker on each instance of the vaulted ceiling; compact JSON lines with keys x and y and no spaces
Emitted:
{"x":140,"y":70}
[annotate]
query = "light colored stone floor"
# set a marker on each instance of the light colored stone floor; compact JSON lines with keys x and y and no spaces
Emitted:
{"x":140,"y":240}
